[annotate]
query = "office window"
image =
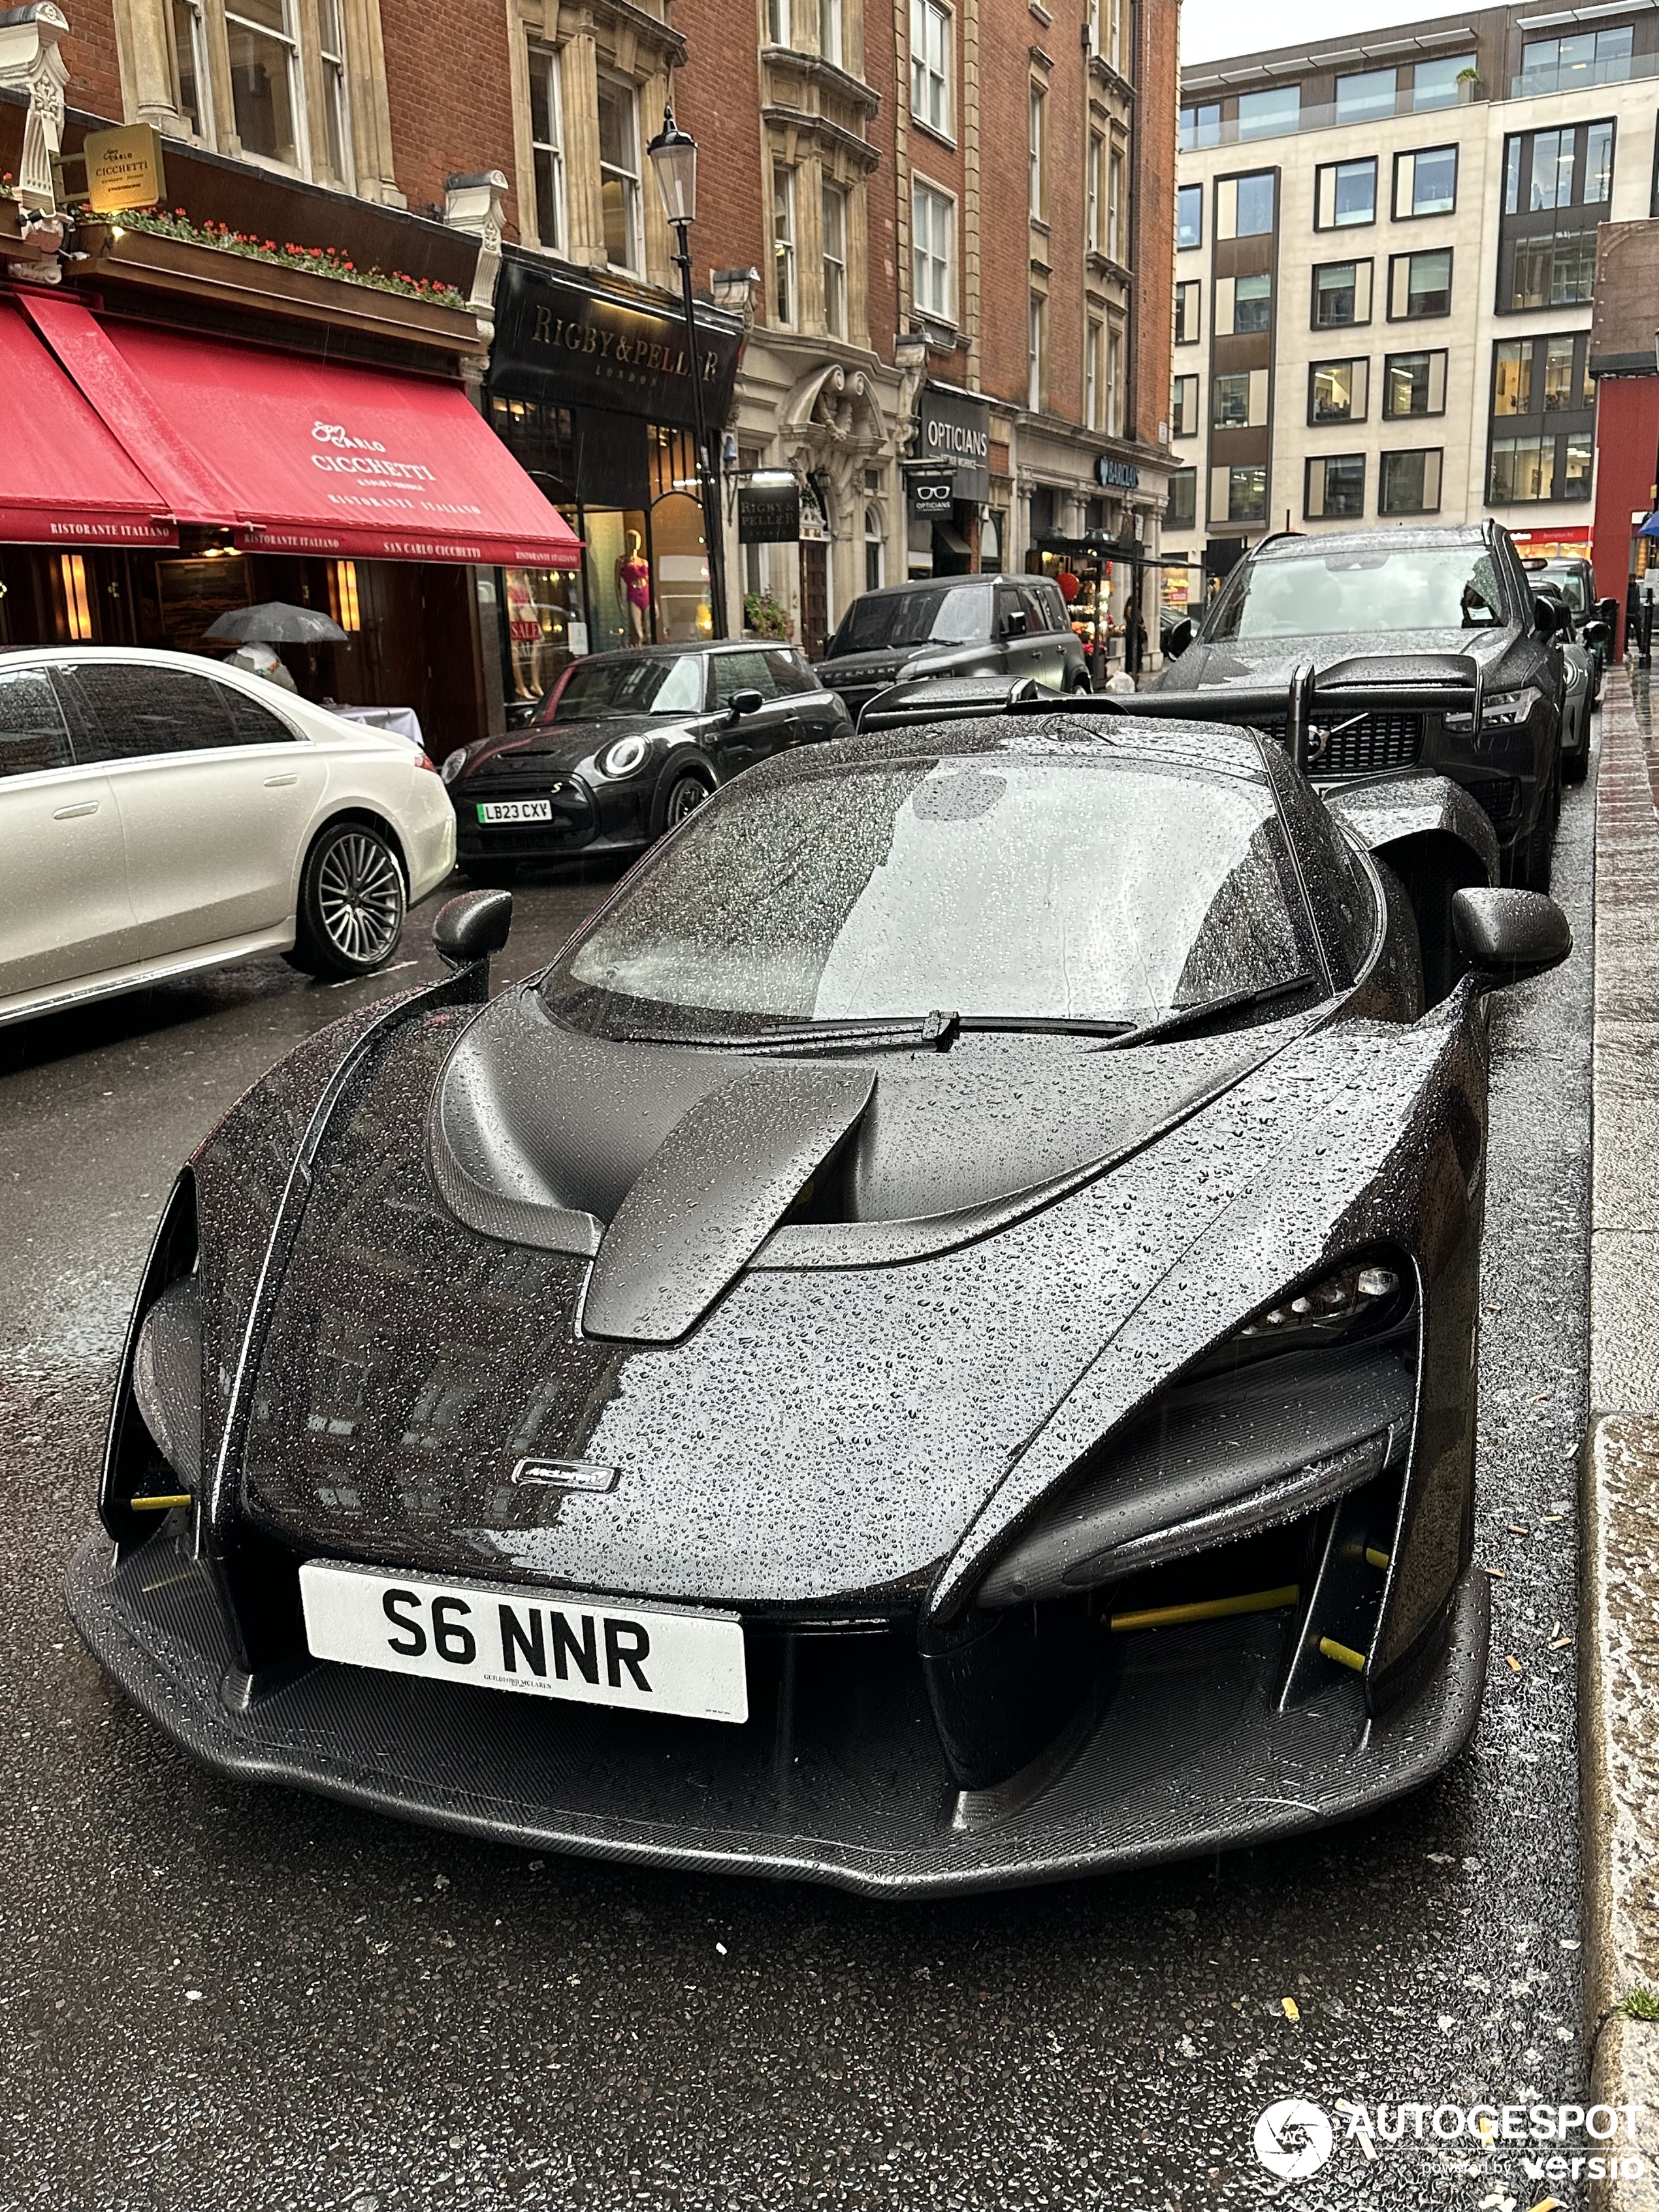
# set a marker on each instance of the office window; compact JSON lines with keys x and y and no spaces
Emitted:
{"x":1189,"y":215}
{"x":1419,"y":285}
{"x":1230,"y":400}
{"x":547,"y":146}
{"x":834,"y":260}
{"x":619,"y":173}
{"x":1113,"y":208}
{"x":1512,"y":377}
{"x":1093,"y":177}
{"x":1091,"y":366}
{"x":1598,"y":164}
{"x":1244,"y":206}
{"x":1580,"y":457}
{"x":1562,"y":389}
{"x":1036,"y":144}
{"x":1344,"y":193}
{"x":1036,"y":381}
{"x":1337,"y":391}
{"x":1523,"y":470}
{"x":1575,"y":64}
{"x":1334,"y":489}
{"x":1551,"y":271}
{"x":1269,"y":114}
{"x":265,"y":83}
{"x":1363,"y":98}
{"x":784,"y":295}
{"x":1245,"y":493}
{"x":1114,"y":383}
{"x":1434,"y":83}
{"x":1341,"y":295}
{"x":1187,"y":295}
{"x":191,"y":76}
{"x":1551,"y":182}
{"x":930,"y":64}
{"x":830,"y":36}
{"x":1409,"y":483}
{"x":777,"y":22}
{"x":1252,"y":303}
{"x":1200,"y":126}
{"x":1183,"y":408}
{"x":1114,"y":12}
{"x":933,"y":231}
{"x":1425,"y":183}
{"x":1413,"y":384}
{"x":1181,"y":512}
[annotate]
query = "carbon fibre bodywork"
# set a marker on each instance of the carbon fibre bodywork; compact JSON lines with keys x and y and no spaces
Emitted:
{"x":451,"y":1235}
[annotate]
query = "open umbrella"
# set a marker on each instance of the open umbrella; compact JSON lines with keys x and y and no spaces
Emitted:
{"x":276,"y":623}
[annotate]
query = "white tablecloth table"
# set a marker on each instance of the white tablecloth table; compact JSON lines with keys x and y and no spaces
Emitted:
{"x":401,"y":721}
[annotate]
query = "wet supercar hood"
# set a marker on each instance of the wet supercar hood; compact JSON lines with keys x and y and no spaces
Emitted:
{"x":858,"y":1392}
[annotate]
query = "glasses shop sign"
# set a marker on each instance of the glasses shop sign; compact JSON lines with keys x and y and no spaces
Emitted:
{"x":953,"y":438}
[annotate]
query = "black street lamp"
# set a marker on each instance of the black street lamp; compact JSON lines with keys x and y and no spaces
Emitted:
{"x":674,"y":157}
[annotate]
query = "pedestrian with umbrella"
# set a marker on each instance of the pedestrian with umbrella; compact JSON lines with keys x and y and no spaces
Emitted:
{"x":256,"y":631}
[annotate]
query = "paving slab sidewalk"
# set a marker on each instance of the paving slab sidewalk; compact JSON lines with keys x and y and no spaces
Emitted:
{"x":1618,"y":1675}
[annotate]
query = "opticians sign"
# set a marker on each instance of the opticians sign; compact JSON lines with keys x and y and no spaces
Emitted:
{"x":954,"y":433}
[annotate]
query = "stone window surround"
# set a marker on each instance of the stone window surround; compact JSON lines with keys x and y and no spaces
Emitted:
{"x":149,"y":87}
{"x":804,"y":47}
{"x":821,"y":153}
{"x":589,"y":37}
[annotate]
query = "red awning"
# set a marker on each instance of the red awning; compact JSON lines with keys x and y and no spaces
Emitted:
{"x":63,"y":479}
{"x":301,"y":456}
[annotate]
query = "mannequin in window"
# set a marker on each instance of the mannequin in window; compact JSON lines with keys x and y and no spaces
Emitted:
{"x":633,"y":587}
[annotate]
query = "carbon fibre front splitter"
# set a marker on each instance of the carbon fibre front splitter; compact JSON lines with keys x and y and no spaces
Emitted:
{"x":825,"y":1783}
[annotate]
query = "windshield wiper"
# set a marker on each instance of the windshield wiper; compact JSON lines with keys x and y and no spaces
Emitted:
{"x":935,"y":1029}
{"x":1208,"y":1010}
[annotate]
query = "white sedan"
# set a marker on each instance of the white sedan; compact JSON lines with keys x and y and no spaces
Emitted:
{"x":160,"y":815}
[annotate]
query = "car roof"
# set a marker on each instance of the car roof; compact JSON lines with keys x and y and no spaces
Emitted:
{"x":676,"y":652}
{"x":1296,"y":546}
{"x":945,"y":583}
{"x":1210,"y":747}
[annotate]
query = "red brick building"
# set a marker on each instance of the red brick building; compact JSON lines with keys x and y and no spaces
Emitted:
{"x":941,"y":235}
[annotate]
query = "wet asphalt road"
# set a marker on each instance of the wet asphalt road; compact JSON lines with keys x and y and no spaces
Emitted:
{"x":215,"y":1998}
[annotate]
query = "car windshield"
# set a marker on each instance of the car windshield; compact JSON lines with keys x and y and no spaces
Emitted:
{"x":653,"y":683}
{"x":956,"y":616}
{"x":1571,"y":581}
{"x":1088,"y":891}
{"x":1385,"y":589}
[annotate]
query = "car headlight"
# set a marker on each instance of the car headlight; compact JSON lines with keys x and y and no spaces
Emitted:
{"x":1310,"y":1399}
{"x":455,"y":763}
{"x":622,"y":758}
{"x":1500,"y":710}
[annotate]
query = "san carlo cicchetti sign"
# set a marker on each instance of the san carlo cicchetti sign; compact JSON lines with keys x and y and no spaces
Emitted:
{"x":572,"y":344}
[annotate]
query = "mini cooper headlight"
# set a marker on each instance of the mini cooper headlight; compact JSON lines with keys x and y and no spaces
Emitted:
{"x":624,"y":756}
{"x":455,"y":763}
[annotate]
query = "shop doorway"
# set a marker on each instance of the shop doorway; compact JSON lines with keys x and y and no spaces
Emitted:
{"x":814,"y":597}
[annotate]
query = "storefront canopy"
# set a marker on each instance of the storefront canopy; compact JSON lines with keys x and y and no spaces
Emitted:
{"x":294,"y":455}
{"x":64,"y":478}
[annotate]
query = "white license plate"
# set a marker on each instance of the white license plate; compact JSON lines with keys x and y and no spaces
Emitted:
{"x":515,"y":810}
{"x":546,"y":1644}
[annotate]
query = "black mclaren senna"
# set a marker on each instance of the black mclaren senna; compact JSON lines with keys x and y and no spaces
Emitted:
{"x":932,"y":1348}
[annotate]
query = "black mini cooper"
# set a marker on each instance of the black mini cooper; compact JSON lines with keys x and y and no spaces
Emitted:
{"x":626,"y":746}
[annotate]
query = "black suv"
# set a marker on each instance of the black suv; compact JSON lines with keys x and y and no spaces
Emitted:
{"x":1429,"y":657}
{"x":954,"y":626}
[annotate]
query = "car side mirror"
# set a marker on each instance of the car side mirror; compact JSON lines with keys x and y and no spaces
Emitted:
{"x":743,"y":703}
{"x":1597,"y":632}
{"x":470,"y":928}
{"x":1507,"y":936}
{"x":1545,"y":619}
{"x":1015,"y":624}
{"x":1179,"y":639}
